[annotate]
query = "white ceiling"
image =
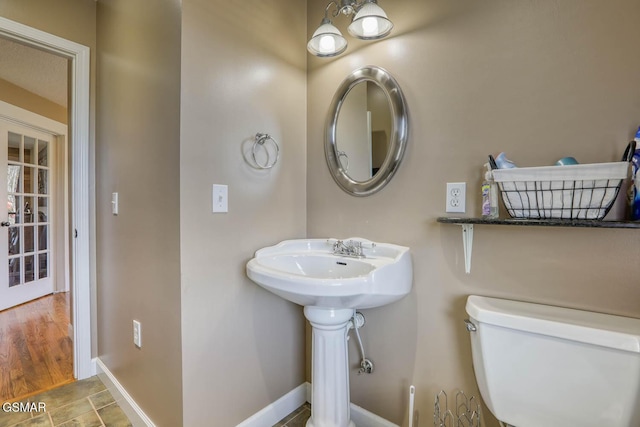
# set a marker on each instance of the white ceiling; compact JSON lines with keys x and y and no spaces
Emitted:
{"x":36,"y":71}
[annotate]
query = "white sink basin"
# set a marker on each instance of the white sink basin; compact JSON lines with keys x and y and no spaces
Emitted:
{"x":307,"y":272}
{"x":331,"y":287}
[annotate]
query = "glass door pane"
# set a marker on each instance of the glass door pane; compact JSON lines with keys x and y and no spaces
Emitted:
{"x":28,"y":202}
{"x":14,"y":272}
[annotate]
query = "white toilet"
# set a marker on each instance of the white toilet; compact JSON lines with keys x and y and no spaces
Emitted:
{"x":544,"y":366}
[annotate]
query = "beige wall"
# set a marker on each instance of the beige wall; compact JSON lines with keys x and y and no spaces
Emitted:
{"x":138,"y":152}
{"x":243,"y":72}
{"x":537,"y":79}
{"x":22,"y":98}
{"x":71,"y":19}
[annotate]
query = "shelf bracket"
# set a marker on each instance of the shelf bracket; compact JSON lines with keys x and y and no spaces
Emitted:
{"x":467,"y":243}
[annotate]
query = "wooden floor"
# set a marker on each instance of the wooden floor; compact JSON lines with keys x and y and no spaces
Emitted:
{"x":36,"y":353}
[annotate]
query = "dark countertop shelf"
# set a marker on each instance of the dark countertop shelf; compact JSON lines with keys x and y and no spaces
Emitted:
{"x":541,"y":222}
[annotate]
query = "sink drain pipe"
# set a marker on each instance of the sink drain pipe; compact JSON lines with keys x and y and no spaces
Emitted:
{"x":357,"y":321}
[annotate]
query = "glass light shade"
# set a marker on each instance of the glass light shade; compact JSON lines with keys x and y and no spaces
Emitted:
{"x":327,"y":41}
{"x":370,"y":22}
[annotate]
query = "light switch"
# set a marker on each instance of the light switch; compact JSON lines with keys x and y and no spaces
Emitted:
{"x":137,"y":333}
{"x":114,"y":203}
{"x":220,"y":198}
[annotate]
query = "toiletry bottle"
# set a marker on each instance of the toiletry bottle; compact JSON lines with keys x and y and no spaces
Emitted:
{"x":503,"y":163}
{"x":634,"y":191}
{"x":489,"y":195}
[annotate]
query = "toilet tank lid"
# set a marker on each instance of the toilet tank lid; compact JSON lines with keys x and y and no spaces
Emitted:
{"x":605,"y":330}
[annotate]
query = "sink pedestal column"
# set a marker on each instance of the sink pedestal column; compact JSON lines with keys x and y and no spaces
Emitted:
{"x":329,"y":367}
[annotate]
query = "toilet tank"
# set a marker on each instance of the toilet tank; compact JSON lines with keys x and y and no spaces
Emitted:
{"x":543,"y":366}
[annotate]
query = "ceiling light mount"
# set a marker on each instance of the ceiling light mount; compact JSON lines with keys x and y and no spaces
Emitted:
{"x":369,"y":22}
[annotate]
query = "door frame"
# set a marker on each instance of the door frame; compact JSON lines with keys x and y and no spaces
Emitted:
{"x":82,"y":216}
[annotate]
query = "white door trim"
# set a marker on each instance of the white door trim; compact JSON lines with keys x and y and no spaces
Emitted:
{"x":82,"y":246}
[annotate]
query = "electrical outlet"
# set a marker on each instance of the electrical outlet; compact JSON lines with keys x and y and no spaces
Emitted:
{"x":137,"y":333}
{"x":456,"y":196}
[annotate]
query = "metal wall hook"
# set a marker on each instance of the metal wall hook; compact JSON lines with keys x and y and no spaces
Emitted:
{"x":260,"y":140}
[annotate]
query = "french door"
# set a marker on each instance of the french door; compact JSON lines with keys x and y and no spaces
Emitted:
{"x":25,"y":214}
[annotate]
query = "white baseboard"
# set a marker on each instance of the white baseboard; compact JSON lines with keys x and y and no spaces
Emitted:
{"x":135,"y":414}
{"x":279,"y":409}
{"x":295,"y":398}
{"x":267,"y":416}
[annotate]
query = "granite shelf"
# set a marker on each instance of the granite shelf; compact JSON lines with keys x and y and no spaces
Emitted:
{"x":542,"y":222}
{"x":468,"y":223}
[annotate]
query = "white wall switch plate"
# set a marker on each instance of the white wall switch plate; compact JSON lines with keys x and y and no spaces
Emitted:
{"x":220,"y":198}
{"x":456,"y":196}
{"x":114,"y":203}
{"x":137,"y":333}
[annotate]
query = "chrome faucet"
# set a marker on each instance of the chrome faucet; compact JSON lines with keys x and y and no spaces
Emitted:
{"x":349,"y":248}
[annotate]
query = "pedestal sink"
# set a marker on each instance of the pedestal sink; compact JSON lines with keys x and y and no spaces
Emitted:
{"x":331,"y":286}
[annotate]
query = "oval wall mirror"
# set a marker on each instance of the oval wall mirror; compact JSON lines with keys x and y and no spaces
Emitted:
{"x":366,"y":132}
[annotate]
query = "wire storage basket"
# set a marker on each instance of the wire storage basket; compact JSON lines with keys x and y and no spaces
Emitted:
{"x":466,"y":413}
{"x":585,"y":191}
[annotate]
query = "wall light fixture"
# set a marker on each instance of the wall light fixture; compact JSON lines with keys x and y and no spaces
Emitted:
{"x":369,"y":22}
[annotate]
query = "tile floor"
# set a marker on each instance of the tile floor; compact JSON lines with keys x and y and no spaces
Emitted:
{"x":297,"y":418}
{"x":85,"y":403}
{"x":88,"y":403}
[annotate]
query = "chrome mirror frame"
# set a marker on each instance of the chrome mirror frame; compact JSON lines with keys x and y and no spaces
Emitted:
{"x":397,"y":139}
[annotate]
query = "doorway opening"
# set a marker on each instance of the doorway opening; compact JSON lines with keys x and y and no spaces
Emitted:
{"x":81,"y":222}
{"x":35,"y":316}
